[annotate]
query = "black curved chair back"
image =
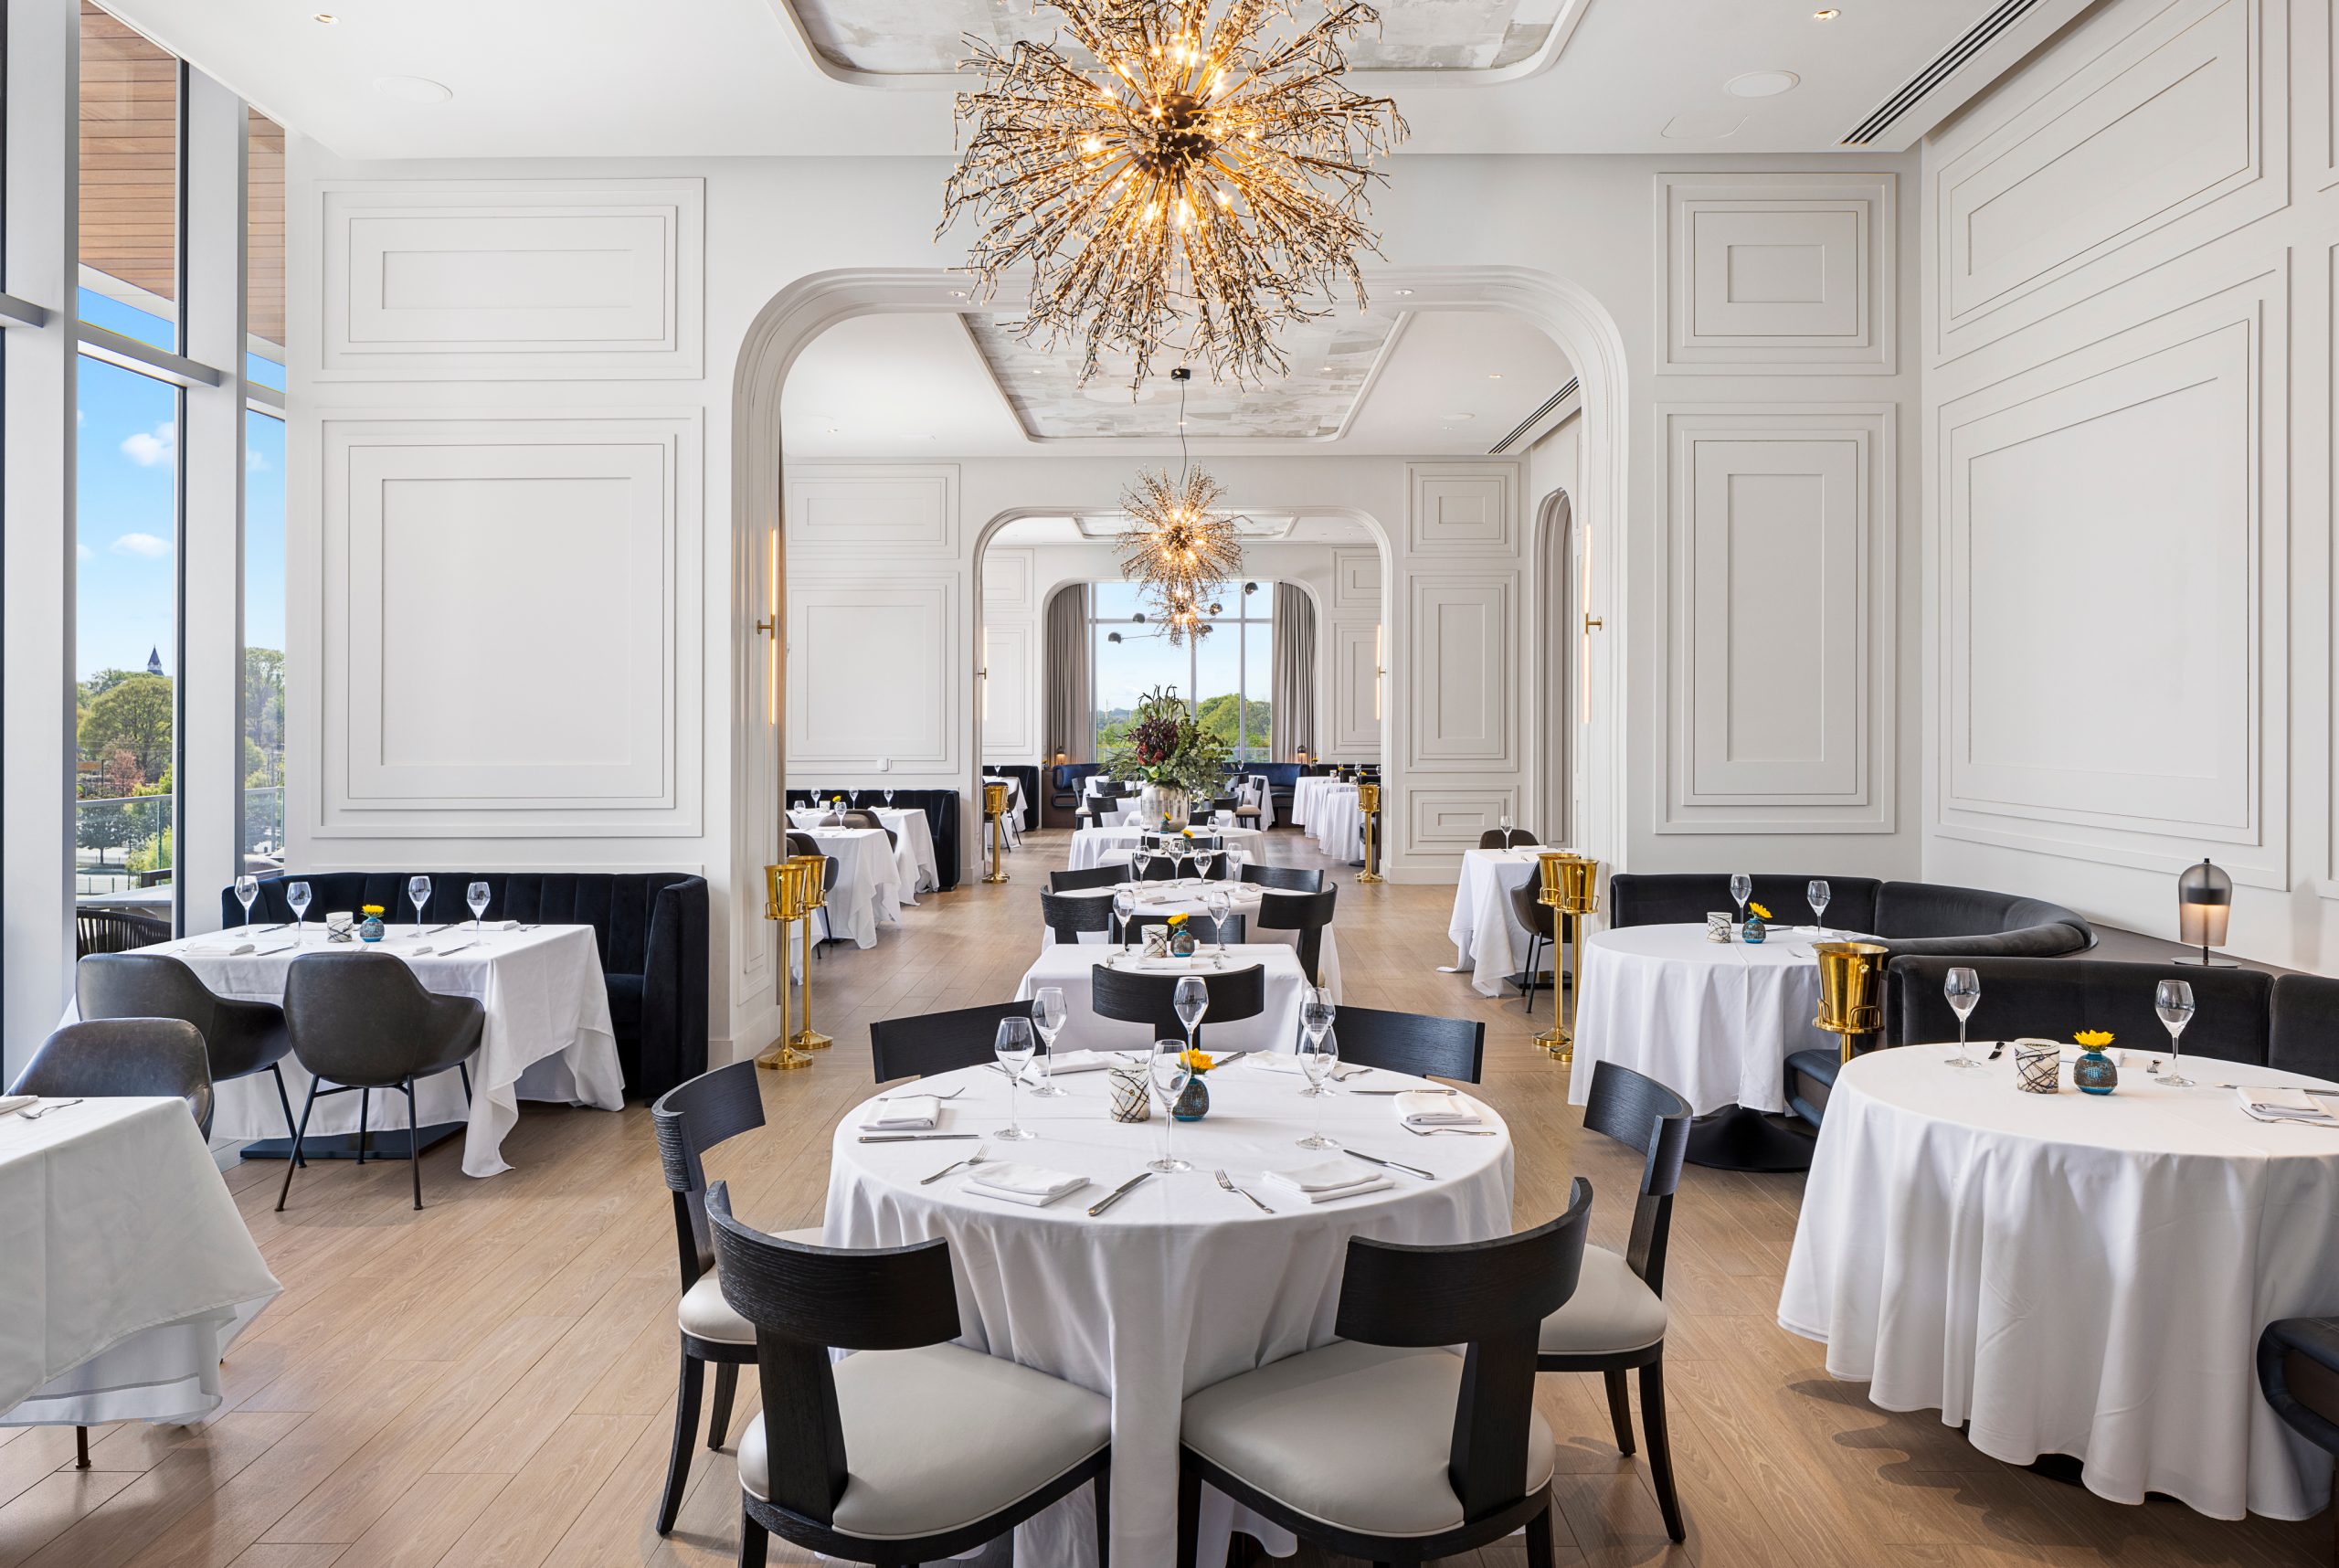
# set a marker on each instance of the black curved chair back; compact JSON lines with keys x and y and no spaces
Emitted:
{"x":363,"y":1020}
{"x":241,"y":1037}
{"x":1679,"y":898}
{"x":805,"y":843}
{"x":1526,"y":905}
{"x":1306,"y":913}
{"x":1412,"y":1043}
{"x":1288,"y":878}
{"x":1641,"y":1113}
{"x":1933,"y":919}
{"x":931,"y":1043}
{"x":1491,"y":1297}
{"x":1068,"y":914}
{"x":2298,"y":1370}
{"x":857,"y":818}
{"x":1508,"y":838}
{"x":122,"y":1058}
{"x":691,"y":1119}
{"x":1173,"y":868}
{"x":1087,"y":876}
{"x":115,"y":931}
{"x":1133,"y":997}
{"x":2053,"y":998}
{"x":2302,"y":1031}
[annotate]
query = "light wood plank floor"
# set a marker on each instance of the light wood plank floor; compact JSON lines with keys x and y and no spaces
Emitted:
{"x":490,"y":1384}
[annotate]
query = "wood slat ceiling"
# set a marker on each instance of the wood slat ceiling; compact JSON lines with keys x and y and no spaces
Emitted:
{"x":264,"y":248}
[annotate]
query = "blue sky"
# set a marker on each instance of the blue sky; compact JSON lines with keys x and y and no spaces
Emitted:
{"x":128,"y":473}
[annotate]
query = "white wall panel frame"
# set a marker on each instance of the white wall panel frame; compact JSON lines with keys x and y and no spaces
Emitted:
{"x":1442,"y":821}
{"x":1010,"y":733}
{"x":512,"y":280}
{"x":1463,"y":692}
{"x":1463,"y":509}
{"x":1353,"y":731}
{"x":1356,"y":580}
{"x":869,"y":511}
{"x":1007,"y":582}
{"x":1778,"y":274}
{"x":1781,"y":714}
{"x":850,"y":634}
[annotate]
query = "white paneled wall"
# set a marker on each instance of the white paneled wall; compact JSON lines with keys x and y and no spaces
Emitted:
{"x":1351,"y":640}
{"x":2130,"y":393}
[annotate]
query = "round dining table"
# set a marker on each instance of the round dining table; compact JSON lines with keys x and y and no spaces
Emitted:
{"x":2073,"y":1274}
{"x":1180,"y":1284}
{"x":1192,"y":896}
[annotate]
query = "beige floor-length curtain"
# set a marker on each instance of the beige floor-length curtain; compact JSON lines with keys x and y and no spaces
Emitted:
{"x":1293,"y":689}
{"x":1068,"y":656}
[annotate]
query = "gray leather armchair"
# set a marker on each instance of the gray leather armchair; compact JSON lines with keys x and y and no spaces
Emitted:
{"x":119,"y":1058}
{"x":240,"y":1037}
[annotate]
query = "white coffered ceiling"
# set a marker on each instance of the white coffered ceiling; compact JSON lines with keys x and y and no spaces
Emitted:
{"x":707,"y":77}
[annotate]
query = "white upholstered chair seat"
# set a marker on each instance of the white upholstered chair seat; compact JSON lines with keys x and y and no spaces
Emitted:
{"x":1611,"y":1310}
{"x":941,"y":1436}
{"x":705,"y":1314}
{"x":1357,"y":1436}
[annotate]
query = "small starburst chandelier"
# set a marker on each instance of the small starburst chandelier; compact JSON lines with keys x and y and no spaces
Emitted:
{"x":1198,"y":185}
{"x":1184,"y":549}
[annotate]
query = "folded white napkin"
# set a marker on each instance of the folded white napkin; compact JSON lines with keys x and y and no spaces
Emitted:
{"x":2270,"y":1103}
{"x":16,"y":1102}
{"x":222,"y":950}
{"x":1332,"y":1178}
{"x":1278,"y":1062}
{"x":499,"y":924}
{"x":1079,"y":1061}
{"x":1418,"y":1107}
{"x":410,"y":950}
{"x":904,"y":1112}
{"x":1033,"y":1186}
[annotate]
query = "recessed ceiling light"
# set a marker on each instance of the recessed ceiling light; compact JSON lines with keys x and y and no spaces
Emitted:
{"x":1827,"y":16}
{"x":1762,"y":84}
{"x":1402,"y":294}
{"x":1457,"y":416}
{"x":413,"y":88}
{"x":327,"y":17}
{"x":1494,"y":374}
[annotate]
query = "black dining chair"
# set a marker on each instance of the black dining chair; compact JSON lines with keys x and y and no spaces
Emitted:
{"x":1384,"y":1444}
{"x":241,"y":1038}
{"x":912,"y":1449}
{"x":801,"y":844}
{"x":1068,"y":915}
{"x":1133,"y":996}
{"x":2297,"y":1372}
{"x":691,"y":1119}
{"x":362,"y":1022}
{"x":1412,"y":1043}
{"x":869,"y":821}
{"x":1541,"y":921}
{"x":1287,"y":878}
{"x":1087,"y":876}
{"x":1507,"y":838}
{"x":931,"y":1043}
{"x":115,"y":931}
{"x":1306,"y":913}
{"x":1615,"y":1323}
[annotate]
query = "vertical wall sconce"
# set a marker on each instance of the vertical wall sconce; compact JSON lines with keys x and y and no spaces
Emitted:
{"x":1380,"y":668}
{"x":771,"y":629}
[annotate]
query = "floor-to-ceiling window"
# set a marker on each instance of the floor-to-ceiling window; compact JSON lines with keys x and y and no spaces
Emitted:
{"x":262,"y":837}
{"x":1225,"y":674}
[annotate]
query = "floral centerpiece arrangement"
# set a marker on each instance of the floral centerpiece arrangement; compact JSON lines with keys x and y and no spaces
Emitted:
{"x":1194,"y":1104}
{"x":2094,"y":1072}
{"x":370,"y":928}
{"x":1174,"y":757}
{"x":1758,"y":922}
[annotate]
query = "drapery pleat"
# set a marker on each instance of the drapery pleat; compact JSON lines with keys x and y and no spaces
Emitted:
{"x":1292,"y":690}
{"x":1067,"y":657}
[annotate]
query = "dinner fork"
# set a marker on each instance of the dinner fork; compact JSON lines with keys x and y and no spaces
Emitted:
{"x":968,"y":1163}
{"x":33,"y":1113}
{"x":913,"y":1095}
{"x":1456,"y":1132}
{"x":1226,"y":1182}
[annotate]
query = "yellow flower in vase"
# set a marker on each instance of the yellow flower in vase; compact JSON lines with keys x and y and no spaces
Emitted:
{"x":1759,"y":912}
{"x":2093,"y":1039}
{"x":369,"y":909}
{"x":1197,"y":1062}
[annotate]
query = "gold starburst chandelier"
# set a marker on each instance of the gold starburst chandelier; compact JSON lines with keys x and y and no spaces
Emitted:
{"x":1183,"y":548}
{"x":1197,"y":186}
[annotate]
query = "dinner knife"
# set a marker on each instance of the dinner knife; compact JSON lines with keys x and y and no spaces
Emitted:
{"x":1117,"y":1194}
{"x":1393,"y":1165}
{"x":1998,"y":1050}
{"x":915,"y":1136}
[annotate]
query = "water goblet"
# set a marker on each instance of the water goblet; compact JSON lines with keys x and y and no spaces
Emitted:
{"x":1124,"y":905}
{"x":1048,"y":1016}
{"x":1220,"y":906}
{"x":1741,"y":887}
{"x":1170,"y":1072}
{"x":1505,"y":831}
{"x":1142,"y":856}
{"x":2173,"y":999}
{"x":1816,"y":893}
{"x":1191,"y":1000}
{"x":296,"y":899}
{"x":247,"y":895}
{"x":476,"y":895}
{"x":1203,"y":860}
{"x":1012,"y":1045}
{"x":418,"y":888}
{"x":1320,"y":1055}
{"x":1962,"y":990}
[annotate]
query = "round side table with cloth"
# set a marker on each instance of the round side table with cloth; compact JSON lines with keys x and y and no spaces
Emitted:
{"x":2073,"y":1274}
{"x":1338,"y":825}
{"x":1180,"y":1285}
{"x":1489,"y":944}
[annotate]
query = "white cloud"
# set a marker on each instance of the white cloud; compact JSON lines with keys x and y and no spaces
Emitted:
{"x":254,"y":462}
{"x":148,"y":448}
{"x":81,"y":552}
{"x":145,"y":545}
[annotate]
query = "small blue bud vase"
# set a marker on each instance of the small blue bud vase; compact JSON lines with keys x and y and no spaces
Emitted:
{"x":1754,"y":930}
{"x":370,"y":928}
{"x":1194,"y":1104}
{"x":2095,"y":1072}
{"x":1181,"y":946}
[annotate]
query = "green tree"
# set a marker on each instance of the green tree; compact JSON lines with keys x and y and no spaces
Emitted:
{"x":1220,"y":717}
{"x":133,"y":715}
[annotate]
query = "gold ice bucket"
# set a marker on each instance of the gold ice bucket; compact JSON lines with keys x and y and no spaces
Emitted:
{"x":1568,"y":883}
{"x":1851,"y":989}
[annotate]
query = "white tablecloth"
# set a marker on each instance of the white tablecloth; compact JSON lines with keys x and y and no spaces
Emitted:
{"x":548,"y":1037}
{"x":1489,"y":940}
{"x":124,"y":1268}
{"x":2073,"y":1274}
{"x":868,"y":889}
{"x":1179,"y":1285}
{"x":1276,"y":1028}
{"x":1306,"y":791}
{"x":1715,"y":1021}
{"x":1337,"y":824}
{"x":1105,"y":847}
{"x":1015,"y":795}
{"x":915,"y":869}
{"x":1186,"y":898}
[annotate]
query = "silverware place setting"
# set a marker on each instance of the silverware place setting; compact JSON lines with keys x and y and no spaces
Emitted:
{"x":917,"y":1137}
{"x":968,"y":1163}
{"x":33,"y":1113}
{"x":1228,"y":1183}
{"x":1432,"y":1090}
{"x":926,"y":1094}
{"x":1392,"y":1164}
{"x":1447,"y":1131}
{"x":1117,"y":1194}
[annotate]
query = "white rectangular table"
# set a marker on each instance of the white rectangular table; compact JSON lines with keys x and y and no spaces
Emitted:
{"x":124,"y":1268}
{"x":1111,"y":846}
{"x":868,"y":889}
{"x":1243,"y":898}
{"x":1277,"y":1027}
{"x":549,"y":1035}
{"x":1489,"y":944}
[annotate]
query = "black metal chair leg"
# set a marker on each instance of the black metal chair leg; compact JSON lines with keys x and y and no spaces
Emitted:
{"x":752,"y":1541}
{"x":1620,"y":1409}
{"x":1104,"y":1489}
{"x":1534,"y":961}
{"x":413,"y":1146}
{"x":719,"y":1418}
{"x":678,"y":1463}
{"x":277,"y":1072}
{"x":1660,"y":1446}
{"x":1190,"y":1513}
{"x":81,"y":1447}
{"x":364,"y":1115}
{"x":298,"y":1134}
{"x":465,"y":1069}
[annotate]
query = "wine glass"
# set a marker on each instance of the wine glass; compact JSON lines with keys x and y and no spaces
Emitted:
{"x":296,"y":899}
{"x":1012,"y":1045}
{"x":247,"y":895}
{"x":1320,"y":1055}
{"x":1192,"y":1000}
{"x":1816,"y":893}
{"x":1203,"y":860}
{"x":1142,"y":858}
{"x":1505,"y":831}
{"x":476,"y":895}
{"x":1048,"y":1016}
{"x":1170,"y":1072}
{"x":1962,"y":990}
{"x":418,"y":888}
{"x":2173,"y":999}
{"x":1124,"y":905}
{"x":1741,"y":887}
{"x":1220,"y":906}
{"x":889,"y":800}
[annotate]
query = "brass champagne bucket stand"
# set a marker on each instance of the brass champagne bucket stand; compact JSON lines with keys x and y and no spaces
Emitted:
{"x":782,"y":899}
{"x":1851,"y":1007}
{"x":1569,"y":889}
{"x":995,"y":807}
{"x":1851,"y":991}
{"x":1368,"y":803}
{"x":811,"y":874}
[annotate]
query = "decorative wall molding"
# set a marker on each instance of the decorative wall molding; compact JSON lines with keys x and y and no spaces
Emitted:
{"x":2049,"y":480}
{"x":1353,"y":730}
{"x":1772,"y":274}
{"x":1462,"y":509}
{"x":511,"y":280}
{"x":1463,"y":696}
{"x":1356,"y":579}
{"x":1007,"y":583}
{"x":2318,"y":41}
{"x":461,"y":555}
{"x":1781,"y":529}
{"x":850,"y":634}
{"x":1442,"y":821}
{"x":2151,"y":143}
{"x":870,"y":511}
{"x":1008,"y":728}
